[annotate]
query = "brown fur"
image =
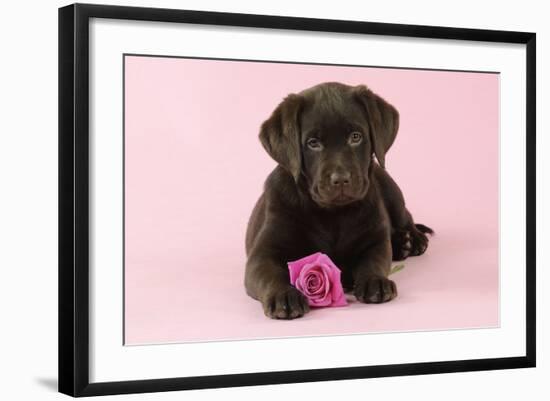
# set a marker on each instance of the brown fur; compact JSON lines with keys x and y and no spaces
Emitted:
{"x":329,"y":194}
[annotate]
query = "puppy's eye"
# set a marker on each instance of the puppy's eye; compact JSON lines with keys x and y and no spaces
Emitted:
{"x":314,"y":143}
{"x":355,"y":138}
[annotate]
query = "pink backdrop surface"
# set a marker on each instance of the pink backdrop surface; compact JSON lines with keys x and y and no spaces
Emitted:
{"x":194,"y":169}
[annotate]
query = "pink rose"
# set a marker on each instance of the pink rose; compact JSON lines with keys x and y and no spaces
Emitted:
{"x":318,"y":278}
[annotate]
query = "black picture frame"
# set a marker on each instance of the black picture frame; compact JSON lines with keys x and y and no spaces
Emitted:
{"x":74,"y":198}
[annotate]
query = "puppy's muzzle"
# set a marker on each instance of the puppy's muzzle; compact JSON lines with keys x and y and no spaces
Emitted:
{"x":340,"y":187}
{"x":340,"y":180}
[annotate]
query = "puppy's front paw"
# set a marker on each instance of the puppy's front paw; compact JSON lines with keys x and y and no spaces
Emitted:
{"x":375,"y":290}
{"x":285,"y":304}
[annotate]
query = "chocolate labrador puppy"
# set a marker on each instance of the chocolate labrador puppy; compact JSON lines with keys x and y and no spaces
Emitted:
{"x":330,"y":193}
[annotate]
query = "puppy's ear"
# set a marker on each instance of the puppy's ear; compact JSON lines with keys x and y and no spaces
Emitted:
{"x":280,"y":135}
{"x":383,"y":121}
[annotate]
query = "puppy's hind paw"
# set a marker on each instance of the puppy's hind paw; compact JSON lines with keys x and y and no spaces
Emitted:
{"x":401,"y":244}
{"x":419,"y":239}
{"x":410,"y":241}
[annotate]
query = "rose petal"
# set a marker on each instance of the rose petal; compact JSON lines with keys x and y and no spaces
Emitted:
{"x":337,"y":292}
{"x":326,"y":278}
{"x":340,"y":301}
{"x":298,"y":285}
{"x":325,"y":301}
{"x":323,"y":297}
{"x":323,"y":259}
{"x":304,"y":273}
{"x":309,"y":270}
{"x":314,"y":283}
{"x":338,"y":295}
{"x":296,"y":266}
{"x":318,"y":278}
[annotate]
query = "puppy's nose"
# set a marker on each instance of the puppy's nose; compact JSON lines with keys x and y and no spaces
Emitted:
{"x":340,"y":179}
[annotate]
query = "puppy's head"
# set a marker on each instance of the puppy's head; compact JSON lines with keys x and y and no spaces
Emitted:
{"x":328,"y":135}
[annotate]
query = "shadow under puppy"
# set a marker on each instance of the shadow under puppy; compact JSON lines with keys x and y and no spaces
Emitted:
{"x":330,"y":193}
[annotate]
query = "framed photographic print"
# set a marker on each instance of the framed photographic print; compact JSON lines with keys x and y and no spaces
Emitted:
{"x":250,"y":199}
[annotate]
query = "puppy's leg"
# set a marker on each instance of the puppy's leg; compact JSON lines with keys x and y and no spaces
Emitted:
{"x":407,"y":238}
{"x":370,"y":275}
{"x":269,"y":247}
{"x":268,"y":281}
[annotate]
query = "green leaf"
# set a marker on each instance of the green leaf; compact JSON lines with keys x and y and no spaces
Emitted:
{"x":396,"y":268}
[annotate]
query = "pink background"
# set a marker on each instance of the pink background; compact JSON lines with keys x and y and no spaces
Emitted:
{"x":194,"y":169}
